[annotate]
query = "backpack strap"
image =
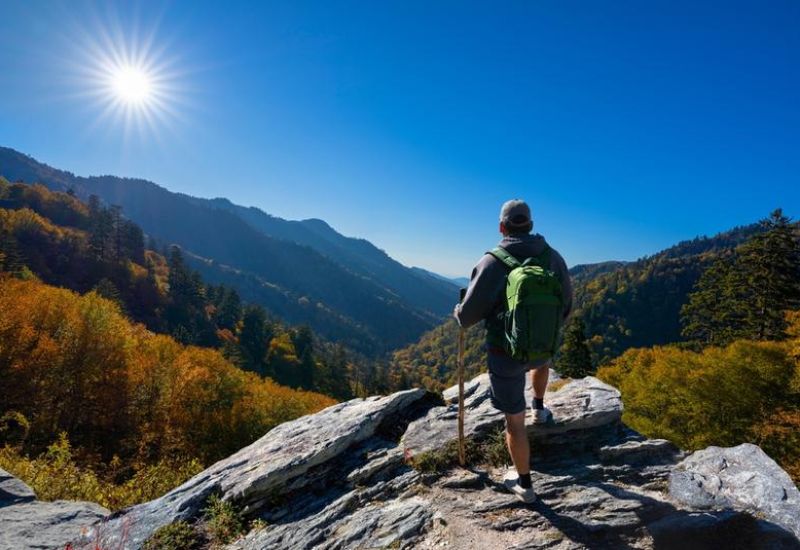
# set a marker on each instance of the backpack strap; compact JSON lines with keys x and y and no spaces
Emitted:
{"x":503,"y":255}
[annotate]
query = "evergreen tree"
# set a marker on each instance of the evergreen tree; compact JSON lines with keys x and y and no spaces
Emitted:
{"x":115,"y":213}
{"x":11,"y":259}
{"x":101,"y":233}
{"x":303,"y":340}
{"x":254,"y":338}
{"x":229,"y":308}
{"x":575,"y":357}
{"x":332,"y":377}
{"x":746,"y":297}
{"x":713,"y":314}
{"x":771,"y":264}
{"x":132,"y":242}
{"x":186,"y":308}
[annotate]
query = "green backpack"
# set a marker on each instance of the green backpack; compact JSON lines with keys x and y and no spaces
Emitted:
{"x":534,"y":307}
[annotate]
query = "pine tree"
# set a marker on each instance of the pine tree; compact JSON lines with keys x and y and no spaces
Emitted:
{"x":11,"y":259}
{"x":713,"y":315}
{"x":117,"y":229}
{"x":132,"y":242}
{"x":575,"y":357}
{"x":229,"y":308}
{"x":771,"y":262}
{"x":303,"y":340}
{"x":746,"y":297}
{"x":254,"y":338}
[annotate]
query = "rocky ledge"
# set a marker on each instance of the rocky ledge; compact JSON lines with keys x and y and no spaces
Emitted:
{"x":379,"y":473}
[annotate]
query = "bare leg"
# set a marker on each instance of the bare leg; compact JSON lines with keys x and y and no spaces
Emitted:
{"x":539,"y":378}
{"x":517,"y":442}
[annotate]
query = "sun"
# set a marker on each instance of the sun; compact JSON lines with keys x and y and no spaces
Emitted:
{"x":132,"y":85}
{"x":134,"y":82}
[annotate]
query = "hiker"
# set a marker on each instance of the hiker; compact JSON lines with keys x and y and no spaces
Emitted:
{"x":486,"y":299}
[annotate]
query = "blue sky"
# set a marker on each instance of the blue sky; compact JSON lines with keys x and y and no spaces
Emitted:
{"x":628,"y":126}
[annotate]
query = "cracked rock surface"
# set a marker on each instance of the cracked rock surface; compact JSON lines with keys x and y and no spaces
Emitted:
{"x":27,"y":523}
{"x":343,"y":479}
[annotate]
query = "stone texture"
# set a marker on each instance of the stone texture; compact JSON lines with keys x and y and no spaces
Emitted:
{"x":13,"y":491}
{"x":340,"y":480}
{"x":26,"y":523}
{"x":580,"y":405}
{"x":743,"y":478}
{"x":367,"y":517}
{"x":264,"y":468}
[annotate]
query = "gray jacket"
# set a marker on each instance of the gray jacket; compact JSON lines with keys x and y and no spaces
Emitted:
{"x":486,"y":292}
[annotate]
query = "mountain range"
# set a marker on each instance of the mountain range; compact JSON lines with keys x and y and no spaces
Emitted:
{"x":623,"y":305}
{"x":305,"y":272}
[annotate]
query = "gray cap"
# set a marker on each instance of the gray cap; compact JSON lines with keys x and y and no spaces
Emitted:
{"x":515,"y":213}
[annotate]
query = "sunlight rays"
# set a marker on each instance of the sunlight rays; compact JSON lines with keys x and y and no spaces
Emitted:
{"x":126,"y":78}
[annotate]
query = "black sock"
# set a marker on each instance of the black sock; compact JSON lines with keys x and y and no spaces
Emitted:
{"x":538,"y":403}
{"x":525,"y":480}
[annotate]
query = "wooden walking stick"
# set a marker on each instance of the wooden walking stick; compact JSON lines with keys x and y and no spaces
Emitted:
{"x":461,"y":458}
{"x":461,"y":336}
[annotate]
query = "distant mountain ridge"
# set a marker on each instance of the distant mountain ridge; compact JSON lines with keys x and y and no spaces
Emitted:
{"x":360,"y":255}
{"x":460,"y":282}
{"x":624,"y":305}
{"x":345,"y":288}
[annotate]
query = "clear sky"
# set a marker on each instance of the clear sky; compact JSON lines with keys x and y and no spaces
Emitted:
{"x":627,"y":125}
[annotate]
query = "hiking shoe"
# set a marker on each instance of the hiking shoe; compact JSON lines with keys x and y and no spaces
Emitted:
{"x":511,"y":482}
{"x":542,"y":416}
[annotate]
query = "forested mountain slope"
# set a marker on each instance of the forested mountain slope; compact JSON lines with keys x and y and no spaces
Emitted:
{"x":361,"y":286}
{"x":638,"y":304}
{"x":420,"y":288}
{"x":87,"y":247}
{"x":624,"y":305}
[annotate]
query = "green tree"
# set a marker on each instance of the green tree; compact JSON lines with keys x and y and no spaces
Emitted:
{"x":771,"y":262}
{"x":575,"y":358}
{"x":254,"y":338}
{"x":229,"y":308}
{"x":713,"y":314}
{"x":10,"y":257}
{"x":303,"y":340}
{"x":747,"y":296}
{"x":186,"y":315}
{"x":332,"y":377}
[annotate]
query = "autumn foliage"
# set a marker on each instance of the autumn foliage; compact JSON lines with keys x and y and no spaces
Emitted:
{"x":75,"y":364}
{"x":746,"y":391}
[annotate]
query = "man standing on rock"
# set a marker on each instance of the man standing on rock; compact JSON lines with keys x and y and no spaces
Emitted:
{"x":485,"y":299}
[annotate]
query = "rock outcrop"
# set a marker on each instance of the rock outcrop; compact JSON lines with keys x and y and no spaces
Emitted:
{"x":743,"y":478}
{"x":351,"y":476}
{"x":31,"y":524}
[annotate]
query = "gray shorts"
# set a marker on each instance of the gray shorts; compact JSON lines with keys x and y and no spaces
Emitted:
{"x":507,"y":381}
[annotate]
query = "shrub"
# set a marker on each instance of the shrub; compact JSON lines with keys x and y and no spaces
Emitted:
{"x":223,"y":521}
{"x":175,"y":536}
{"x":490,"y":449}
{"x":55,"y":475}
{"x":745,"y":392}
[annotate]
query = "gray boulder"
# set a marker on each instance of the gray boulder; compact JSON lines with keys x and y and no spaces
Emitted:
{"x":262,"y":470}
{"x":742,"y":478}
{"x":341,"y":479}
{"x":26,"y":523}
{"x":13,"y":491}
{"x":579,"y":406}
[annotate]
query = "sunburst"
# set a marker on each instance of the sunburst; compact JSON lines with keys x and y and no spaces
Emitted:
{"x":129,"y":77}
